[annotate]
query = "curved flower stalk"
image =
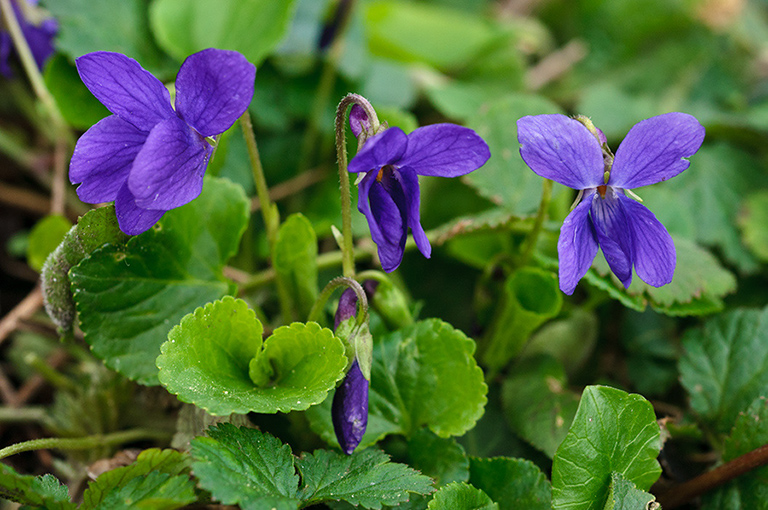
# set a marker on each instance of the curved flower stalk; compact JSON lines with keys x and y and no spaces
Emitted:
{"x":349,"y":410}
{"x":389,"y":163}
{"x":149,"y":157}
{"x":38,"y":30}
{"x":574,"y":153}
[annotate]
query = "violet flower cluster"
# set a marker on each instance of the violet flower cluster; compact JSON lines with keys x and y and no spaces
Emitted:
{"x":149,"y":157}
{"x":39,"y":35}
{"x":575,"y":154}
{"x":389,"y":164}
{"x":349,"y":411}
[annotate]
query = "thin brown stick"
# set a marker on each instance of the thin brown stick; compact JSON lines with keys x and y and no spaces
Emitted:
{"x":24,"y":199}
{"x":685,"y":492}
{"x":24,"y":310}
{"x":7,"y":392}
{"x":59,"y":186}
{"x":556,"y":64}
{"x":291,"y":186}
{"x":35,"y":382}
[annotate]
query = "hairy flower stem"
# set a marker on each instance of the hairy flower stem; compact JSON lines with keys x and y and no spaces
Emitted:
{"x":83,"y":443}
{"x":685,"y":492}
{"x":342,"y":281}
{"x":347,"y":248}
{"x":541,"y":215}
{"x":268,"y":209}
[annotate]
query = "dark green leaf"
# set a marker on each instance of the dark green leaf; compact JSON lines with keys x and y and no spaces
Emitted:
{"x":365,"y":478}
{"x":130,"y":296}
{"x":409,"y":389}
{"x":252,"y":27}
{"x":725,"y":366}
{"x":39,"y":491}
{"x":295,"y":261}
{"x":153,"y":491}
{"x":612,"y":431}
{"x":754,"y":224}
{"x":625,"y":496}
{"x":45,"y":237}
{"x":441,"y":458}
{"x":94,"y":229}
{"x":750,"y":490}
{"x":505,"y":179}
{"x":171,"y":463}
{"x":512,"y":483}
{"x":570,"y":340}
{"x":461,"y":496}
{"x":537,"y":402}
{"x":215,"y":359}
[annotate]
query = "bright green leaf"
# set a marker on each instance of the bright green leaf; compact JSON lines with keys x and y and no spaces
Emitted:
{"x":168,"y":462}
{"x":366,"y":478}
{"x":94,"y":229}
{"x":512,"y":483}
{"x":725,"y":366}
{"x":295,"y":261}
{"x":435,"y":35}
{"x":441,"y":458}
{"x":530,"y":297}
{"x":40,"y":491}
{"x":44,"y":238}
{"x":750,"y":490}
{"x":78,"y":106}
{"x":153,"y":491}
{"x":130,"y":296}
{"x":244,"y":466}
{"x":461,"y":496}
{"x":623,"y":495}
{"x":754,"y":224}
{"x":612,"y":431}
{"x":409,"y":389}
{"x":107,"y":25}
{"x":505,"y":179}
{"x":215,"y":359}
{"x":537,"y":403}
{"x":252,"y":27}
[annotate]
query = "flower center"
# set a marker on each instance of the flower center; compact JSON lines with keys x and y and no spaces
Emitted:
{"x":602,"y":189}
{"x":380,"y":175}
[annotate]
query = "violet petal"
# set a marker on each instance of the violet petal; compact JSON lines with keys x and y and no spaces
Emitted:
{"x":654,"y":149}
{"x":613,"y":234}
{"x":347,"y":307}
{"x":445,"y":150}
{"x":350,"y":409}
{"x":577,"y":245}
{"x":213,"y":89}
{"x":103,"y":158}
{"x":410,"y":183}
{"x":132,"y":219}
{"x":125,"y":88}
{"x":168,"y":171}
{"x":386,"y":221}
{"x":380,"y":150}
{"x":655,"y":255}
{"x":562,"y":149}
{"x":358,"y":120}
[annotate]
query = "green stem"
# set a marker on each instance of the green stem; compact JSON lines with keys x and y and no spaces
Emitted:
{"x":22,"y":414}
{"x":342,"y":281}
{"x":82,"y":443}
{"x":268,"y":209}
{"x":533,"y":235}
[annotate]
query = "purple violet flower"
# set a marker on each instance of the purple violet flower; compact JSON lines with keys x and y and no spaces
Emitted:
{"x":349,"y":410}
{"x":389,"y":164}
{"x":39,"y":37}
{"x":567,"y":151}
{"x":149,"y":157}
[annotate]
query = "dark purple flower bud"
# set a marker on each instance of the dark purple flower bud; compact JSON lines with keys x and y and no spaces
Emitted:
{"x":350,"y":409}
{"x":358,"y":120}
{"x":348,"y":302}
{"x":335,"y":25}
